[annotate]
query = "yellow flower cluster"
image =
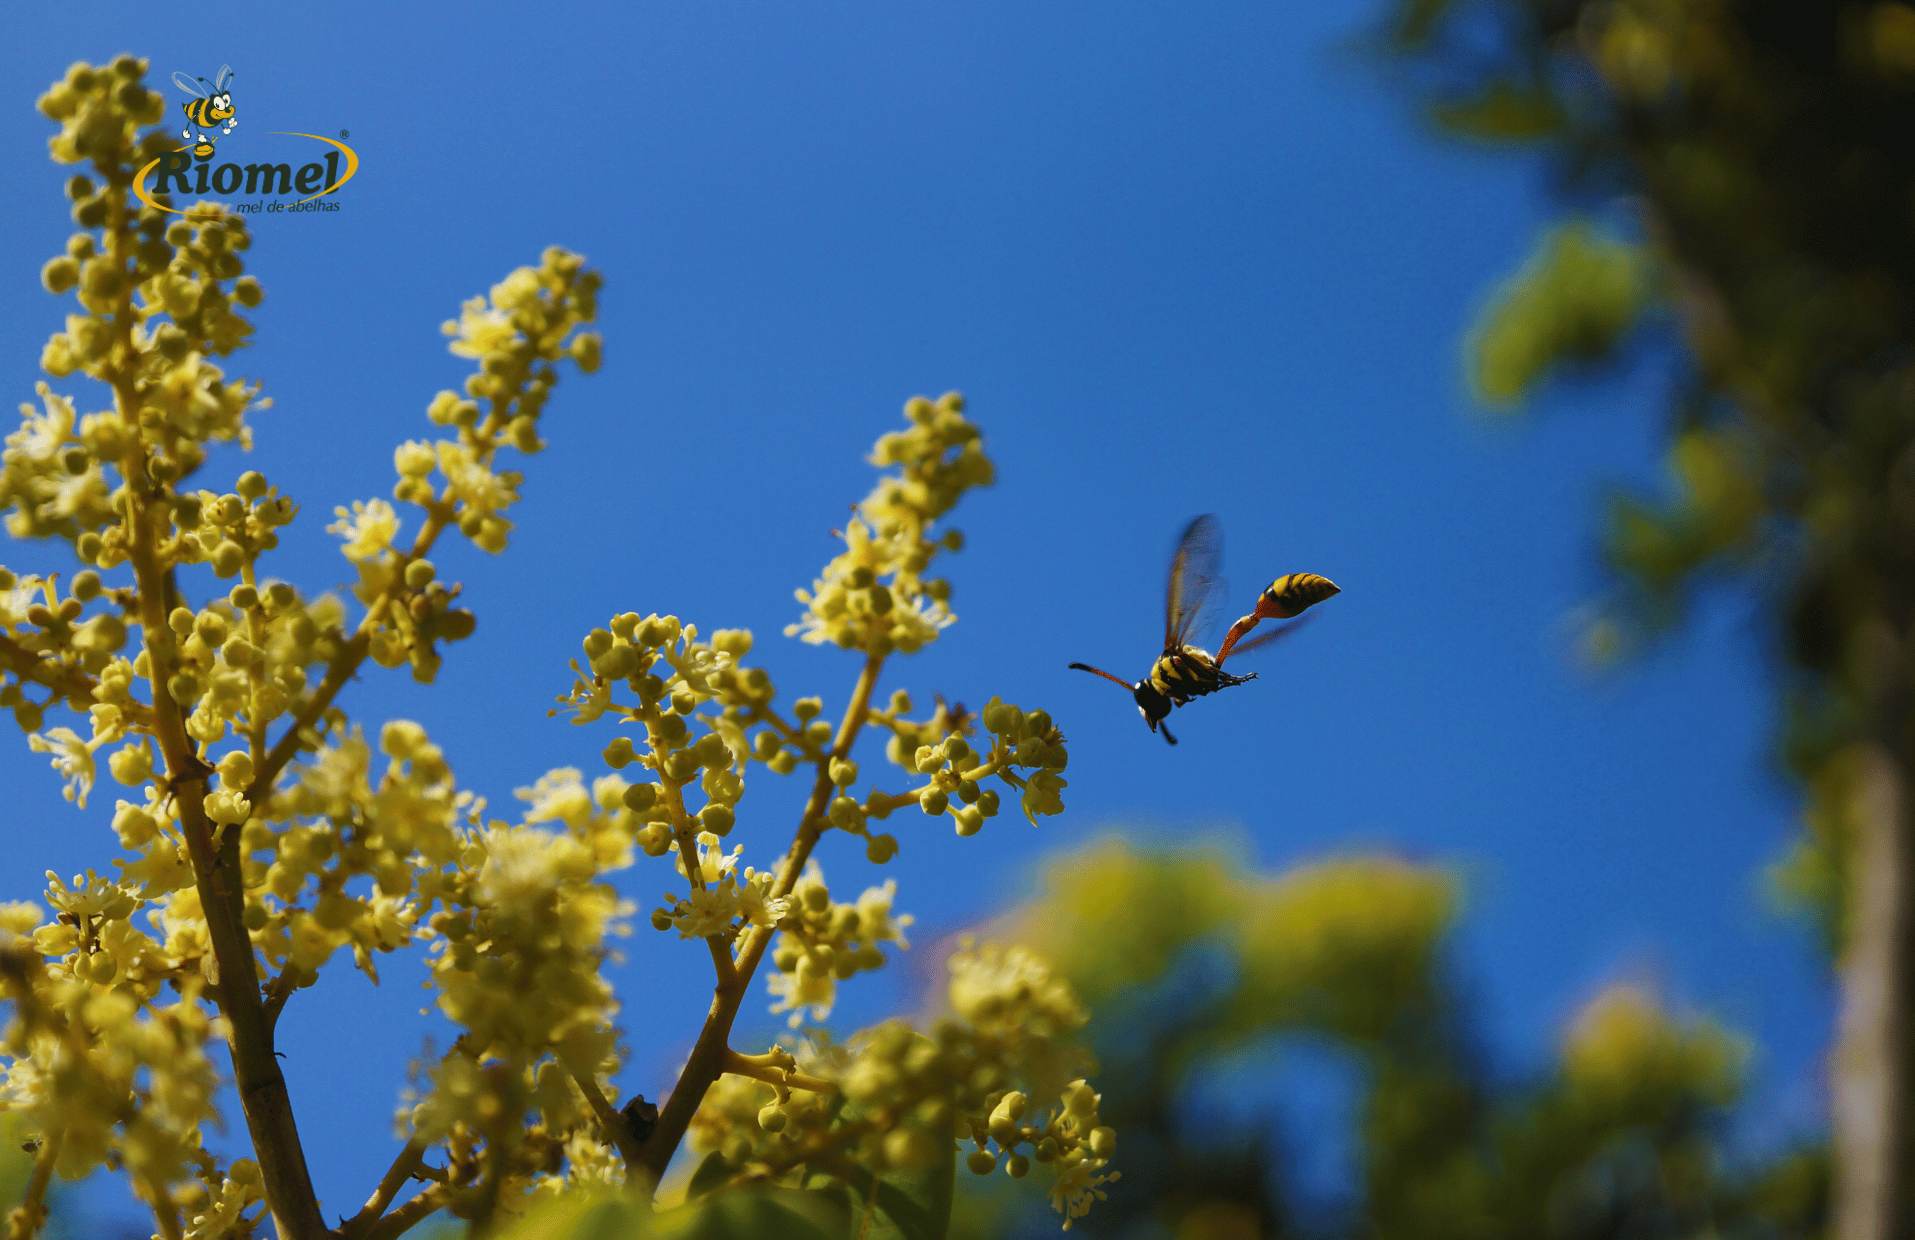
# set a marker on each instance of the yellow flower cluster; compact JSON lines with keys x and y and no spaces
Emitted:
{"x":823,"y":942}
{"x":874,"y":596}
{"x":117,"y":1077}
{"x":240,"y":758}
{"x":911,"y":1094}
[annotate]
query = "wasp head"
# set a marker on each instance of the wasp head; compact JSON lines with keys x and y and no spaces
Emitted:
{"x":1153,"y":706}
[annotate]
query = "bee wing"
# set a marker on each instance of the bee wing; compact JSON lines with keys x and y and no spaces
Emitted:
{"x":1255,"y":643}
{"x":190,"y":85}
{"x":1196,"y":577}
{"x":219,"y":82}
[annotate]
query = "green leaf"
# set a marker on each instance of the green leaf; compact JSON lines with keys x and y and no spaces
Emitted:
{"x":904,"y":1205}
{"x":711,"y":1173}
{"x":585,"y":1216}
{"x":755,"y":1214}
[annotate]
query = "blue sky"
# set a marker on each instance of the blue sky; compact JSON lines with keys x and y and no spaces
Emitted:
{"x":1180,"y":259}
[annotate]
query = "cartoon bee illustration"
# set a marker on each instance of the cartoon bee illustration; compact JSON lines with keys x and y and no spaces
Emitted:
{"x":212,"y":107}
{"x":1184,"y":671}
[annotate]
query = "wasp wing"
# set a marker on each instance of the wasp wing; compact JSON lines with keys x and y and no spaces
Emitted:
{"x":1196,"y":576}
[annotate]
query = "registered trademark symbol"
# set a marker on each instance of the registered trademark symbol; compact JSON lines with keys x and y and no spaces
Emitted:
{"x":345,"y":133}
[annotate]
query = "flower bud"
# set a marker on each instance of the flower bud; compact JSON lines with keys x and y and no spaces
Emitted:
{"x":1103,"y":1142}
{"x":640,"y":797}
{"x":135,"y":824}
{"x":596,"y":643}
{"x":60,"y":274}
{"x":807,"y":708}
{"x":717,"y":819}
{"x":1017,"y":1166}
{"x":617,"y":663}
{"x":131,"y":765}
{"x":880,"y":849}
{"x":969,"y":820}
{"x":910,"y":1147}
{"x":586,"y":349}
{"x":933,"y":801}
{"x":772,"y":1117}
{"x":86,"y":586}
{"x":251,"y":485}
{"x":419,"y":574}
{"x":784,"y":762}
{"x":228,"y":558}
{"x":980,"y":1162}
{"x":844,"y":772}
{"x":236,"y":770}
{"x":661,"y":919}
{"x":243,"y":597}
{"x":619,"y":754}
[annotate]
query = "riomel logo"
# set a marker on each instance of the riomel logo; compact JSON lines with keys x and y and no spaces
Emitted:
{"x":212,"y":115}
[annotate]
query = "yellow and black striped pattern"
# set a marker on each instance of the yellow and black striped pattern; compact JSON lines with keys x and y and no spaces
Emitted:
{"x":1294,"y":594}
{"x":1188,"y":673}
{"x":205,"y":112}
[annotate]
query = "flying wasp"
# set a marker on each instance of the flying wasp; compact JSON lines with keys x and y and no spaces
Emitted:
{"x":1184,"y":671}
{"x":212,"y":108}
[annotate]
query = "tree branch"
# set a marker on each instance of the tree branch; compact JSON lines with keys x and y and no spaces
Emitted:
{"x":610,"y":1120}
{"x":216,"y":870}
{"x":31,"y":1214}
{"x":409,"y":1215}
{"x":402,"y":1170}
{"x":708,"y":1054}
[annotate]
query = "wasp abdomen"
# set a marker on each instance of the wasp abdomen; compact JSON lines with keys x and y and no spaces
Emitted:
{"x":1294,"y":594}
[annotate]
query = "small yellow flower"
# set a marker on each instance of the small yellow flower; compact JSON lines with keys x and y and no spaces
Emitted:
{"x":368,"y":529}
{"x":72,"y":757}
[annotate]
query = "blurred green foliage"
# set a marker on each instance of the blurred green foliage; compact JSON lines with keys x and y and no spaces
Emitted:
{"x":1190,"y":959}
{"x":1574,"y":299}
{"x":1756,"y":161}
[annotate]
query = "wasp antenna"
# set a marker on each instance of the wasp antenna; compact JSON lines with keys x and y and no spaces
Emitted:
{"x":1096,"y":671}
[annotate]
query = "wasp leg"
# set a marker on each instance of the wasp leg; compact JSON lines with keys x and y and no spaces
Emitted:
{"x":1167,"y":735}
